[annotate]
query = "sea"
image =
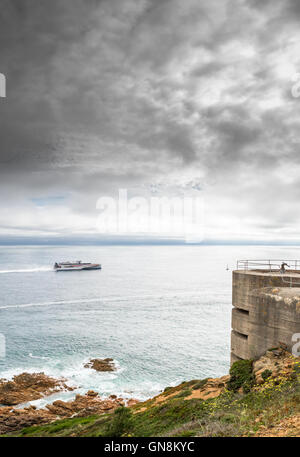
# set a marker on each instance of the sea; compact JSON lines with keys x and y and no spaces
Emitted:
{"x":163,"y":313}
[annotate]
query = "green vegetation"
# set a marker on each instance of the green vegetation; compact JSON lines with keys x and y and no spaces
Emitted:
{"x":167,"y":390}
{"x":241,"y":376}
{"x":200,"y":384}
{"x":121,"y":423}
{"x":266,"y":374}
{"x":184,"y":393}
{"x":231,"y":414}
{"x":241,"y":410}
{"x":62,"y":427}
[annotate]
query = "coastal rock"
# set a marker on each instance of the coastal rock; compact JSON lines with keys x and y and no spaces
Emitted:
{"x":60,"y":408}
{"x":16,"y":419}
{"x":29,"y":386}
{"x":131,"y":402}
{"x":92,"y":393}
{"x":212,"y":388}
{"x":276,"y":362}
{"x":84,"y":405}
{"x":101,"y":365}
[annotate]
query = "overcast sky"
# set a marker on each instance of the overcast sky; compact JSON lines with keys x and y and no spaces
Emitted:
{"x":160,"y":97}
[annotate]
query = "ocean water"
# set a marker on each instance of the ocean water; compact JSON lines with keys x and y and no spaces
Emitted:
{"x":161,"y":312}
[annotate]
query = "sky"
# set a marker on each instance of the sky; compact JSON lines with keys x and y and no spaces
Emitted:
{"x":163,"y":98}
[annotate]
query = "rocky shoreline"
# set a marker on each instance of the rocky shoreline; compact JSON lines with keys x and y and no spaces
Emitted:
{"x":265,"y":392}
{"x":14,"y":419}
{"x":27,"y":387}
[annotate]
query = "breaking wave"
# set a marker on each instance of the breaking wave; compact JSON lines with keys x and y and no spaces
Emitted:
{"x":37,"y":357}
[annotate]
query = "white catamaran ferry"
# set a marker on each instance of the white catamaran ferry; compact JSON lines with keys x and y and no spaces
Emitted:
{"x":75,"y":266}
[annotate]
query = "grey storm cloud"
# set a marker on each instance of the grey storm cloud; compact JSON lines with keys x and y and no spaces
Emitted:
{"x":143,"y":94}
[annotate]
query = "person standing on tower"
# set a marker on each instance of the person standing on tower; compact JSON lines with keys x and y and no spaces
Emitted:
{"x":283,"y":265}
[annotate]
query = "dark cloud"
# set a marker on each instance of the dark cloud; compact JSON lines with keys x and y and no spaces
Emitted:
{"x":145,"y":94}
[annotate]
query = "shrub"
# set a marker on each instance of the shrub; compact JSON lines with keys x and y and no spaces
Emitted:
{"x":266,"y":374}
{"x":167,"y":391}
{"x":121,"y":424}
{"x":183,"y":393}
{"x":241,"y":375}
{"x":200,"y":384}
{"x":215,"y":428}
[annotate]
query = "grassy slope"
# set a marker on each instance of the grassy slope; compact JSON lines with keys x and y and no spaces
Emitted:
{"x":230,"y":414}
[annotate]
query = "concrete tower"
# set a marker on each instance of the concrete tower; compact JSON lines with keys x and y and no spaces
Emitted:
{"x":266,"y":308}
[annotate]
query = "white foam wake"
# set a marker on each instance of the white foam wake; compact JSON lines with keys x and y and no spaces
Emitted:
{"x":37,"y":357}
{"x":28,"y":270}
{"x":104,"y":300}
{"x":49,"y":303}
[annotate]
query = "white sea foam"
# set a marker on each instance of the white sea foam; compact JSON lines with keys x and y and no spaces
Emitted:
{"x":84,"y":379}
{"x":105,"y":387}
{"x":37,"y":357}
{"x":103,"y":300}
{"x":27,"y":270}
{"x":49,"y":303}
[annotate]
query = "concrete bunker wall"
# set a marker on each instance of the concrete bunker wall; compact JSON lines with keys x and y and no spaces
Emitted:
{"x":265,"y":314}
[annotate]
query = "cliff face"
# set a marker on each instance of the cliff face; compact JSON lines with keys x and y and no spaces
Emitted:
{"x":254,"y":399}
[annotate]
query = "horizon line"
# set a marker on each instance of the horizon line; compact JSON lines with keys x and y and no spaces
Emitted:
{"x":80,"y":242}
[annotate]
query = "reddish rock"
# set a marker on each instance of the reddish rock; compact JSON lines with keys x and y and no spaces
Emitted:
{"x":92,"y":393}
{"x":101,"y":365}
{"x":60,"y":408}
{"x":132,"y":402}
{"x":29,"y":386}
{"x":16,"y":419}
{"x":277,"y":362}
{"x":83,"y":405}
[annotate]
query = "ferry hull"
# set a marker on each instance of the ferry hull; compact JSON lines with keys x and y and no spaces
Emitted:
{"x":78,"y":269}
